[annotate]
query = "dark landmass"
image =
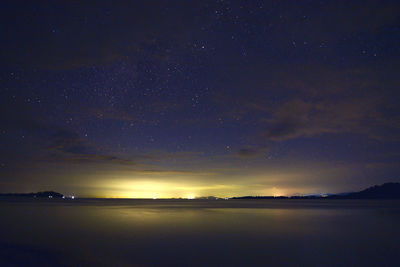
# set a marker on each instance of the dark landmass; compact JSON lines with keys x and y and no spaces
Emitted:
{"x":44,"y":194}
{"x":209,"y":198}
{"x":260,"y":197}
{"x":384,"y":191}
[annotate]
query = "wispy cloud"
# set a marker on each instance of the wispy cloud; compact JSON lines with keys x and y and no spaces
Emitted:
{"x":311,"y":100}
{"x":67,"y":147}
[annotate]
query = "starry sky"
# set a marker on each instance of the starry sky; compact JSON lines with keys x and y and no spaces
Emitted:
{"x":151,"y":99}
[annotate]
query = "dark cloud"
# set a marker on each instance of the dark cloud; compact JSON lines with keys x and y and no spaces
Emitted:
{"x":86,"y":159}
{"x":312,"y":100}
{"x":69,"y":142}
{"x":248,"y":152}
{"x":291,"y":121}
{"x":67,"y":147}
{"x":298,"y":118}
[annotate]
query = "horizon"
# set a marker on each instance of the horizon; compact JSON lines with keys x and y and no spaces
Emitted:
{"x":209,"y":197}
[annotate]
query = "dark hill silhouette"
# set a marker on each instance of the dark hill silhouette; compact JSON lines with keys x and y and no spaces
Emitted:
{"x":384,"y":191}
{"x":260,"y":197}
{"x":44,"y":194}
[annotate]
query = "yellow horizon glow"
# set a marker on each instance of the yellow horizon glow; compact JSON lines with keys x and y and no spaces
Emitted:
{"x":153,"y":189}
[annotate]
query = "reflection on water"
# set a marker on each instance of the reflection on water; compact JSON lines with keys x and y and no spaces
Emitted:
{"x":198,"y":233}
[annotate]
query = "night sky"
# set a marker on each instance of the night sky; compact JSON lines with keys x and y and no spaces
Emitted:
{"x":145,"y":99}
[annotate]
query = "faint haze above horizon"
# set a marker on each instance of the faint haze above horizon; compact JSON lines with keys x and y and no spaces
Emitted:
{"x":155,"y":99}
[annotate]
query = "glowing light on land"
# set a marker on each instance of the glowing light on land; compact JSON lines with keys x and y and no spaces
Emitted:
{"x":151,"y":189}
{"x":165,"y":187}
{"x":276,"y":192}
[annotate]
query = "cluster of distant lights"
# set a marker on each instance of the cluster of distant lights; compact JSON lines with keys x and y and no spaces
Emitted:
{"x":192,"y":197}
{"x":64,"y":197}
{"x":179,"y":198}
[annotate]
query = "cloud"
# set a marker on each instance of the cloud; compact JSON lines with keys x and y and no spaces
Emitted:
{"x":253,"y":151}
{"x":306,"y":100}
{"x":69,"y":142}
{"x":67,"y":147}
{"x":247,"y":152}
{"x":288,"y":121}
{"x":298,"y":118}
{"x":124,"y":112}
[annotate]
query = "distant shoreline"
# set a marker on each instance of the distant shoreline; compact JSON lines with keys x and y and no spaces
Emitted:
{"x":384,"y":191}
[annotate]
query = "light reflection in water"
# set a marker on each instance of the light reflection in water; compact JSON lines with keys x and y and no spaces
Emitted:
{"x":202,"y":232}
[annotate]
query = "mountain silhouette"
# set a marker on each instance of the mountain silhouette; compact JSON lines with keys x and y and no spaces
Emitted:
{"x":44,"y":194}
{"x":384,"y":191}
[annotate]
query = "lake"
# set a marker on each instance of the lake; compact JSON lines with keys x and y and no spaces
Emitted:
{"x":96,"y":232}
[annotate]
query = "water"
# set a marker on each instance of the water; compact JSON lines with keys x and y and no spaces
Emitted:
{"x":200,"y":233}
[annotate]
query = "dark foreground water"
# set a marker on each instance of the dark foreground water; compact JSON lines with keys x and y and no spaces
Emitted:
{"x":200,"y":233}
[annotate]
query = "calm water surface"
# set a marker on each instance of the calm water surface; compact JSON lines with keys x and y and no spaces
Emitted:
{"x":200,"y":233}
